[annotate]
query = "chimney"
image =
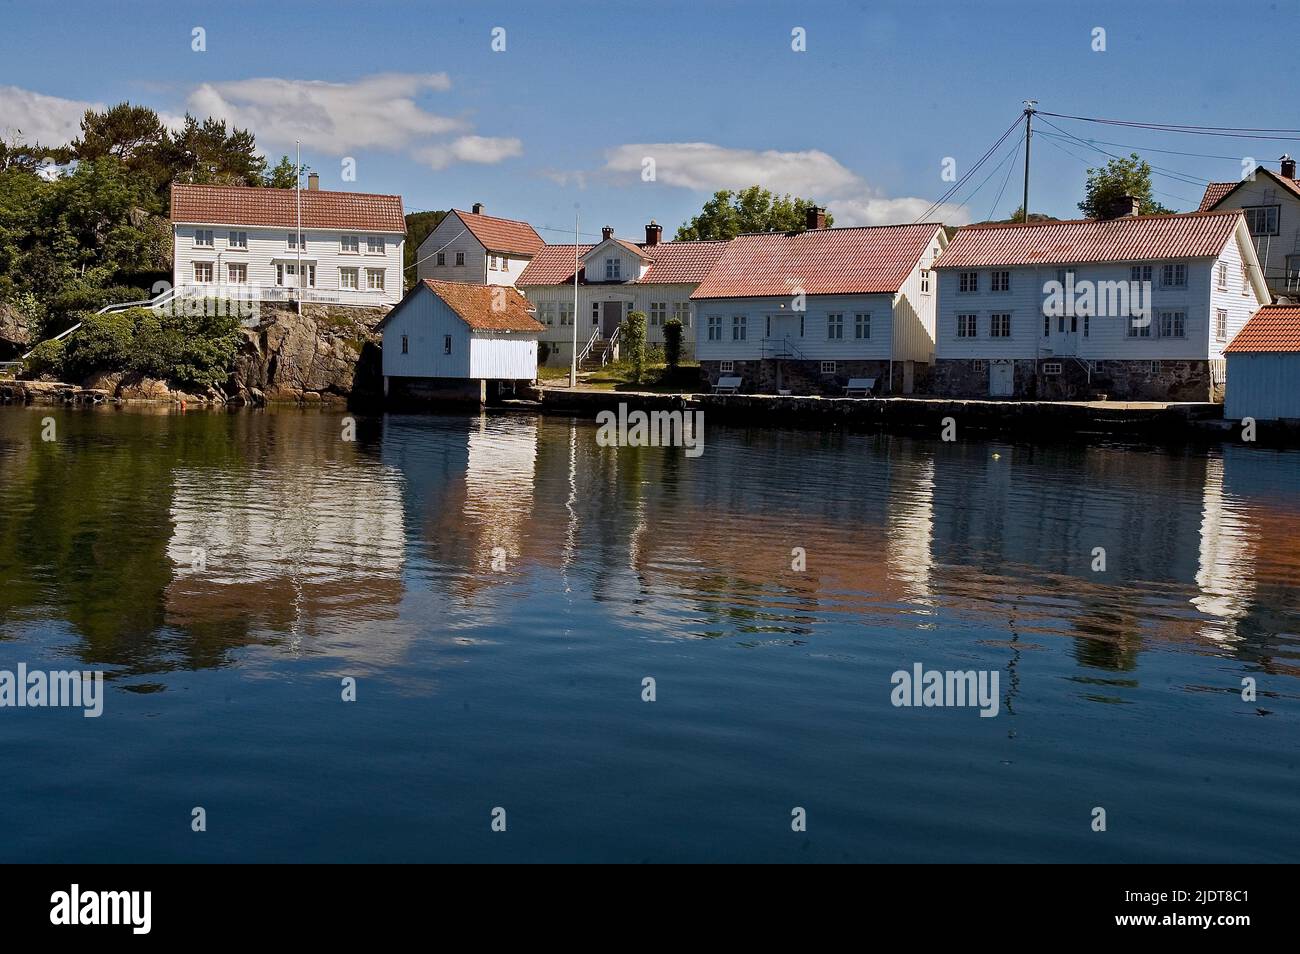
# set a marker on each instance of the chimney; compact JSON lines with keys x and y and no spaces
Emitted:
{"x":606,"y":234}
{"x":816,"y":217}
{"x":313,"y":182}
{"x":478,"y":208}
{"x":1124,"y":206}
{"x":1288,"y":167}
{"x":653,"y":233}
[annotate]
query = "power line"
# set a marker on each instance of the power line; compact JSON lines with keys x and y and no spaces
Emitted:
{"x":973,"y":169}
{"x":1088,"y":162}
{"x":1170,"y":173}
{"x":1229,"y":132}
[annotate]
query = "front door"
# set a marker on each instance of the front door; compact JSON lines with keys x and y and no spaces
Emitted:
{"x":611,"y":315}
{"x":1001,"y":379}
{"x":1065,"y":339}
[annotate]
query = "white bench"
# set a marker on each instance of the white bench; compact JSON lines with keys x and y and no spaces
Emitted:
{"x":863,"y":385}
{"x":727,"y":385}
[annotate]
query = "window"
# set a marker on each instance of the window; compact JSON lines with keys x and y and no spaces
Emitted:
{"x":349,"y":278}
{"x":739,"y":327}
{"x":834,"y":327}
{"x":203,"y":238}
{"x":374,"y":245}
{"x":546,"y":311}
{"x":828,"y":367}
{"x":925,"y":281}
{"x":595,"y":312}
{"x":1173,"y":324}
{"x":658,"y":313}
{"x":1047,"y":326}
{"x":460,"y":258}
{"x":492,"y":263}
{"x":1155,"y":367}
{"x":1087,"y":324}
{"x":968,"y":282}
{"x":682,"y":312}
{"x":1221,"y":324}
{"x":1173,"y":275}
{"x":1245,"y":280}
{"x":285,"y":272}
{"x":979,"y":365}
{"x":375,"y":279}
{"x":566,"y":313}
{"x":237,"y":239}
{"x":1223,"y":275}
{"x":406,"y":345}
{"x":237,"y":273}
{"x":726,"y":367}
{"x":350,"y":244}
{"x":1140,"y":273}
{"x":203,"y":272}
{"x":442,"y":258}
{"x":862,"y":325}
{"x":1052,"y":367}
{"x":446,"y":344}
{"x":1143,"y":331}
{"x":966,"y":326}
{"x":1000,"y":282}
{"x":1262,"y":219}
{"x":715,"y":327}
{"x":1000,"y":325}
{"x":293,"y":241}
{"x":613,"y":269}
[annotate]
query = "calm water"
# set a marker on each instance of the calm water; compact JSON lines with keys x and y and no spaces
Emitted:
{"x":228,"y":571}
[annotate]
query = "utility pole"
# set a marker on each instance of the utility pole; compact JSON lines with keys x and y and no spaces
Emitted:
{"x":297,"y":186}
{"x":1029,"y":120}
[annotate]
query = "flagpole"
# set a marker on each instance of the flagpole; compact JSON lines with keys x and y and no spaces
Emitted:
{"x":573,"y":363}
{"x":298,"y":195}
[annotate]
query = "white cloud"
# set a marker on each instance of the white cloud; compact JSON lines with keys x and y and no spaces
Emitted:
{"x":376,"y":111}
{"x":480,"y":149}
{"x":810,"y":174}
{"x":48,"y":120}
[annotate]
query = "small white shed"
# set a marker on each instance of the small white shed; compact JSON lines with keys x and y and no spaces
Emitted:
{"x":449,"y":334}
{"x":1264,"y":367}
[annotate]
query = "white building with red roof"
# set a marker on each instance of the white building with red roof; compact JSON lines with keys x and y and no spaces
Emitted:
{"x":810,"y":311}
{"x":1135,"y":307}
{"x":615,"y":278}
{"x":1271,"y":203}
{"x":243,"y":241}
{"x":477,"y":248}
{"x":1264,"y":367}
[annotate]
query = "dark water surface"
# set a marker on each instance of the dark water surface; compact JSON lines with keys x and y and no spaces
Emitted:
{"x":228,"y":571}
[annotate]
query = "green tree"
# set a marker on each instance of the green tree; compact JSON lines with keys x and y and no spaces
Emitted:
{"x":1119,"y":177}
{"x":673,"y":343}
{"x":284,"y":175}
{"x":632,"y":343}
{"x":208,"y":153}
{"x":731,"y":213}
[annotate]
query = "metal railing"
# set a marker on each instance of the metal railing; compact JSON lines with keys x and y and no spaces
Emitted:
{"x":591,"y":343}
{"x":611,"y":348}
{"x":781,"y":348}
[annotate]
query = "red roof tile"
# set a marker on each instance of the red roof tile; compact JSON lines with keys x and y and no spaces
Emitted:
{"x":246,"y":205}
{"x":502,"y":235}
{"x":1133,"y":238}
{"x":1215,"y":192}
{"x":474,"y":304}
{"x":1272,"y":328}
{"x":670,"y":263}
{"x":864,"y":261}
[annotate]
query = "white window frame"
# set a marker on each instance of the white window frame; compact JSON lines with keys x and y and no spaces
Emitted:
{"x":1173,"y":275}
{"x":1140,"y":273}
{"x":204,"y":238}
{"x":862,"y":326}
{"x":925,"y":281}
{"x":1222,"y":275}
{"x":1000,"y":324}
{"x":968,"y":283}
{"x":739,"y":327}
{"x":714,"y":325}
{"x":370,"y":279}
{"x":726,"y":367}
{"x":682,"y":312}
{"x":232,"y":268}
{"x":349,"y":245}
{"x":1271,"y":213}
{"x":1052,"y":367}
{"x":828,"y":367}
{"x":376,"y":245}
{"x":237,"y":239}
{"x":968,"y":325}
{"x":355,"y":273}
{"x":566,"y":314}
{"x":835,"y":326}
{"x":208,"y":268}
{"x":293,"y":239}
{"x":614,"y":269}
{"x":658,"y":313}
{"x":1221,"y":324}
{"x":1176,"y":321}
{"x":1005,"y":275}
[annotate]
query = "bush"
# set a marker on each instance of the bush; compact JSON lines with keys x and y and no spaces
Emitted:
{"x":632,"y":343}
{"x":46,"y":358}
{"x":102,"y":343}
{"x":673,"y":343}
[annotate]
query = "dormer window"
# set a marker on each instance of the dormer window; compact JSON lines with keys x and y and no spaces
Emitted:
{"x":613,"y":269}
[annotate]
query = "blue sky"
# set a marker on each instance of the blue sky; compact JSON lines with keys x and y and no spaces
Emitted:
{"x":862,"y":120}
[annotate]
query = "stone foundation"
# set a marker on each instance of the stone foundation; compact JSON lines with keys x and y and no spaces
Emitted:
{"x":1167,"y":380}
{"x":770,"y":375}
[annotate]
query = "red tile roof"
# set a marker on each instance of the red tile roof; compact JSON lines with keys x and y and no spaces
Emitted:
{"x":246,"y":205}
{"x":1133,"y":238}
{"x":670,"y":263}
{"x":1272,"y":328}
{"x":1215,"y":192}
{"x":502,"y":235}
{"x":474,"y":304}
{"x":864,"y":261}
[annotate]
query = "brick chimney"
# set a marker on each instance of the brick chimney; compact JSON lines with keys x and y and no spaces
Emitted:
{"x":1124,"y":206}
{"x":1288,"y":167}
{"x":816,"y":217}
{"x":313,"y":182}
{"x":606,"y":233}
{"x":478,"y":208}
{"x":653,"y":233}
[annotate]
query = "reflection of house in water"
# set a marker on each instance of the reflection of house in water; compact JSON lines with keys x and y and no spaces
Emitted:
{"x":311,"y":548}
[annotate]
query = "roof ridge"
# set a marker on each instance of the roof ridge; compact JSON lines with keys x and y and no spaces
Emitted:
{"x":273,"y":189}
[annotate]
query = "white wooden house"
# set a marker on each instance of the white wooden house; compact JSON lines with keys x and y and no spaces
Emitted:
{"x":615,"y":278}
{"x":1271,"y":203}
{"x":477,"y":248}
{"x":1134,"y":307}
{"x":1264,"y":367}
{"x":239,"y":241}
{"x":455,"y":339}
{"x":808,"y":312}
